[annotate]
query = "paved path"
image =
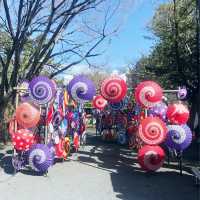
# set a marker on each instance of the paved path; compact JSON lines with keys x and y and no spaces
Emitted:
{"x":98,"y":172}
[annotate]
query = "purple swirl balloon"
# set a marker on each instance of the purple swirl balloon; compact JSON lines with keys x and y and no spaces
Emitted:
{"x":40,"y":157}
{"x":42,"y":90}
{"x":182,"y":93}
{"x":81,"y":89}
{"x":179,"y":137}
{"x":159,"y":110}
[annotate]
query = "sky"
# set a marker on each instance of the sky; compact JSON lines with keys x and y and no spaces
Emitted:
{"x":129,"y":44}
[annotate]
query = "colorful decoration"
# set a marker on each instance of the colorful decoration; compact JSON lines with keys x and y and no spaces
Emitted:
{"x":40,"y":157}
{"x":148,"y":94}
{"x":152,"y":130}
{"x":113,"y":89}
{"x":179,"y":137}
{"x":42,"y":90}
{"x":121,"y":137}
{"x":81,"y":89}
{"x":159,"y":110}
{"x":151,"y":158}
{"x":22,"y":139}
{"x":24,"y":95}
{"x":119,"y":105}
{"x":99,"y":102}
{"x":182,"y":93}
{"x":178,"y":113}
{"x":27,"y":115}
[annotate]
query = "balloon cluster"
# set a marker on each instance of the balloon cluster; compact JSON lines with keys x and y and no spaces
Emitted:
{"x":49,"y":121}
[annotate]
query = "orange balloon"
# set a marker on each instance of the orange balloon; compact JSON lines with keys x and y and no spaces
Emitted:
{"x":27,"y":115}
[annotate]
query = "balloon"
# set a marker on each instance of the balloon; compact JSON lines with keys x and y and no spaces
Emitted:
{"x":113,"y":89}
{"x":81,"y":89}
{"x":152,"y":130}
{"x":99,"y":102}
{"x":148,"y":94}
{"x":27,"y":115}
{"x":40,"y":157}
{"x":178,"y":113}
{"x":42,"y":90}
{"x":151,"y":158}
{"x":179,"y":137}
{"x":22,"y":139}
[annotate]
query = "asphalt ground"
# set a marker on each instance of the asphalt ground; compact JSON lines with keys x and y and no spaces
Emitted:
{"x":99,"y":171}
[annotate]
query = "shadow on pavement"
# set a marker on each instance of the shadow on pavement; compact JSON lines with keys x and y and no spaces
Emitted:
{"x":6,"y":163}
{"x":130,"y":182}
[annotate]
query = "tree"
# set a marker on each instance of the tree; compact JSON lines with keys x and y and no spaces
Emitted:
{"x":49,"y":35}
{"x":174,"y":60}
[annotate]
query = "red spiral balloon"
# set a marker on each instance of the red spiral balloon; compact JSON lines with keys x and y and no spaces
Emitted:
{"x":152,"y":130}
{"x":27,"y":115}
{"x":113,"y":89}
{"x":148,"y":94}
{"x":151,"y":158}
{"x":178,"y":113}
{"x":23,"y":139}
{"x":99,"y":102}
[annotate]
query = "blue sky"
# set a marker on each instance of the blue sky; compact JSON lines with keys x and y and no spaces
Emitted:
{"x":130,"y":43}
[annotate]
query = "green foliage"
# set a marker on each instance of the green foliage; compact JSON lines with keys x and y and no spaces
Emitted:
{"x":174,"y":59}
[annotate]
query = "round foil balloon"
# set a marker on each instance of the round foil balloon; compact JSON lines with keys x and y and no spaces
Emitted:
{"x":27,"y":115}
{"x":178,"y":113}
{"x":81,"y":89}
{"x":99,"y":102}
{"x":148,"y":94}
{"x":22,"y":139}
{"x":151,"y":158}
{"x":179,"y":137}
{"x":114,"y":89}
{"x":159,"y":110}
{"x":152,"y":130}
{"x":40,"y":157}
{"x":42,"y":90}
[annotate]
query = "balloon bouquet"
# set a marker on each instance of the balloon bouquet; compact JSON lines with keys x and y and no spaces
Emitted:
{"x":44,"y":124}
{"x":162,"y":125}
